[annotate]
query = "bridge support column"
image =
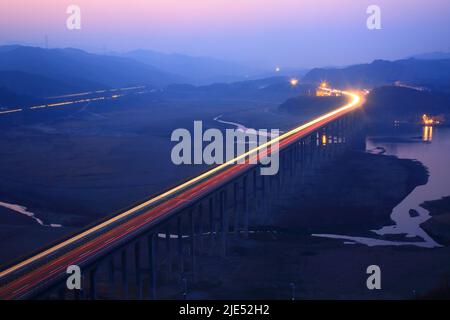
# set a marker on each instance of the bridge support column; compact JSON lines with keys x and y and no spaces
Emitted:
{"x":211,"y":225}
{"x":255,"y":192}
{"x":152,"y":264}
{"x":76,"y":294}
{"x":279,"y":177}
{"x":245,"y":205}
{"x":303,"y":164}
{"x":236,"y":211}
{"x":342,"y":135}
{"x":268,"y":194}
{"x":93,"y":283}
{"x":313,"y":142}
{"x":192,"y":242}
{"x":62,"y":293}
{"x":201,"y":228}
{"x":168,"y":250}
{"x":180,"y":245}
{"x":224,"y":221}
{"x":111,"y":277}
{"x":137,"y":265}
{"x":264,"y":204}
{"x":291,"y":161}
{"x":291,"y":154}
{"x":124,"y":274}
{"x":282,"y":173}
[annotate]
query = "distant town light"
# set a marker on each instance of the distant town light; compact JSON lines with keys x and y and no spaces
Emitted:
{"x":294,"y":82}
{"x":428,"y":121}
{"x":322,"y":90}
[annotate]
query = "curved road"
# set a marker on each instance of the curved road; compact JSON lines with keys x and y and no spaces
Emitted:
{"x":33,"y":272}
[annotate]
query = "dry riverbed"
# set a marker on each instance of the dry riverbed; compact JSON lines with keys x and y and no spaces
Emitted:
{"x":353,"y":196}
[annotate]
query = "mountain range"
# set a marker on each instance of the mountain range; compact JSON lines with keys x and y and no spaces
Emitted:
{"x":381,"y":72}
{"x":28,"y":73}
{"x":390,"y":103}
{"x":43,"y":72}
{"x":195,"y":70}
{"x":76,"y":67}
{"x":437,"y":55}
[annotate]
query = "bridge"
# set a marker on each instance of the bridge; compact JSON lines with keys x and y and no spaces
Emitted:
{"x":160,"y":240}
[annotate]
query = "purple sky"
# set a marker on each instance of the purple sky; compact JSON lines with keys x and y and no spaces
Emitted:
{"x":266,"y":33}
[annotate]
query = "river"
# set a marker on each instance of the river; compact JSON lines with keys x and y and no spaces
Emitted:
{"x":430,"y":146}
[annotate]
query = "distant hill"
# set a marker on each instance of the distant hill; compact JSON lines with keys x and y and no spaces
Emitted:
{"x":196,"y":70}
{"x":396,"y":103}
{"x":288,"y":72}
{"x":381,"y":72}
{"x":306,"y":104}
{"x":9,"y":99}
{"x":432,"y":56}
{"x":23,"y":83}
{"x":76,"y":66}
{"x":271,"y":89}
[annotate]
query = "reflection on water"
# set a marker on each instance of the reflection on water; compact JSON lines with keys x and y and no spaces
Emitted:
{"x":324,"y":139}
{"x":427,"y":135}
{"x":435,"y":155}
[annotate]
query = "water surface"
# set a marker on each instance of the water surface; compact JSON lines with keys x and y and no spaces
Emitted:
{"x":430,"y":146}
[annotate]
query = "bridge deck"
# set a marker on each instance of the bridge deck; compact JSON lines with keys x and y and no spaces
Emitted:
{"x":51,"y":264}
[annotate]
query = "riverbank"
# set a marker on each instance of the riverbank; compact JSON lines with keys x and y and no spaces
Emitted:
{"x":353,"y":195}
{"x":438,"y":226}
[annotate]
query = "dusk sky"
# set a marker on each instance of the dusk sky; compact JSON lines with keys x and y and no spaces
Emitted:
{"x":260,"y":32}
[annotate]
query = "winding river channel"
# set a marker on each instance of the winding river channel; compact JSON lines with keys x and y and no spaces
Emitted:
{"x":430,"y":146}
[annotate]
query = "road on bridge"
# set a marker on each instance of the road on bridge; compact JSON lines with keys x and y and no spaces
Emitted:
{"x":33,"y":272}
